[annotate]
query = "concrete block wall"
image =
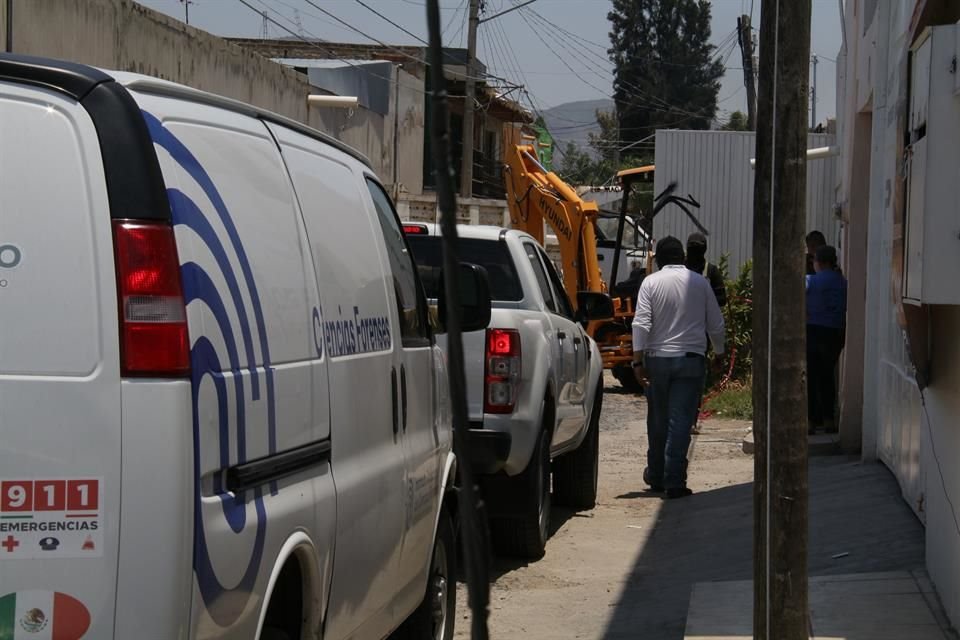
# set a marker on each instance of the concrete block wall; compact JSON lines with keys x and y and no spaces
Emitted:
{"x":423,"y":208}
{"x":123,"y":35}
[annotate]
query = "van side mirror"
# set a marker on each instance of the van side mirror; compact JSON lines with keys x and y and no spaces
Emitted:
{"x":593,"y":305}
{"x":474,"y":299}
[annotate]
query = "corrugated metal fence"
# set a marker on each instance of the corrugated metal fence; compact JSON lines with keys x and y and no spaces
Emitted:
{"x":714,"y":167}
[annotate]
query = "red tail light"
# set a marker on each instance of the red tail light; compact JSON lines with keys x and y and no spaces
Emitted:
{"x":153,"y":317}
{"x":415,"y":229}
{"x":502,"y":371}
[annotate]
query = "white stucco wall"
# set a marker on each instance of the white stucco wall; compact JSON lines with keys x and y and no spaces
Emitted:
{"x":123,"y":35}
{"x":921,"y":446}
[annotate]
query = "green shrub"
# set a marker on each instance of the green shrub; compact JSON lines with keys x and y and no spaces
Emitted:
{"x":738,"y":318}
{"x":735,"y":401}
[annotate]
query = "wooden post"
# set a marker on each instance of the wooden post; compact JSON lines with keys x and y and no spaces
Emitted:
{"x":466,"y":162}
{"x":745,"y":34}
{"x":779,"y":327}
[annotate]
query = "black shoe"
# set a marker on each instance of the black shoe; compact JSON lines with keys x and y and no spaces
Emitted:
{"x":680,"y":492}
{"x":656,"y":488}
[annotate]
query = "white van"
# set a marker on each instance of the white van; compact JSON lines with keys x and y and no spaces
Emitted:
{"x":222,"y":410}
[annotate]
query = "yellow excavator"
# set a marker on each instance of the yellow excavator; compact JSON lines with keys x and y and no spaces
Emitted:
{"x":538,"y":197}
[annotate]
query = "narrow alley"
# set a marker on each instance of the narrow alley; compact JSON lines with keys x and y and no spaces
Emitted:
{"x":627,"y":568}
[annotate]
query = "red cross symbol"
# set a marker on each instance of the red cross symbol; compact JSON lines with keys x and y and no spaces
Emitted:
{"x":10,"y":544}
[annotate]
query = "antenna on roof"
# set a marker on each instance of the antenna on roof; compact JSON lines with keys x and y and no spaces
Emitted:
{"x":296,"y":19}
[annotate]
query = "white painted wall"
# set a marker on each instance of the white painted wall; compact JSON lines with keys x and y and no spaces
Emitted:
{"x":920,"y":446}
{"x":126,"y":36}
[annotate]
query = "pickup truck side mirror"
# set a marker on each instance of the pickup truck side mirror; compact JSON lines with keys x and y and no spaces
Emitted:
{"x":593,"y":305}
{"x":474,"y":299}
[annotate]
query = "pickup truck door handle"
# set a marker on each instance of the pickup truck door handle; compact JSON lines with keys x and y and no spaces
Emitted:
{"x":393,"y":391}
{"x":561,"y":335}
{"x":403,"y":397}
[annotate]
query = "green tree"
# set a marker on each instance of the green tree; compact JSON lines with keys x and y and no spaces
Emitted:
{"x":664,"y":71}
{"x":605,"y":142}
{"x":737,"y":122}
{"x":578,"y":167}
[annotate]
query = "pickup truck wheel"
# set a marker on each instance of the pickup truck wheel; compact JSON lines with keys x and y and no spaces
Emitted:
{"x":575,"y":473}
{"x":434,"y":619}
{"x":525,"y":536}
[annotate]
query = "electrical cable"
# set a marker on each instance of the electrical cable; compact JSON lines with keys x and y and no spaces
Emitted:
{"x":652,"y":102}
{"x":390,"y":47}
{"x":578,"y":75}
{"x":387,"y":19}
{"x":453,"y":17}
{"x":319,"y":42}
{"x":936,"y":458}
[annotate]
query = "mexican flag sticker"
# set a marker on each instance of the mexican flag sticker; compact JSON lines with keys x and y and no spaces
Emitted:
{"x":42,"y":615}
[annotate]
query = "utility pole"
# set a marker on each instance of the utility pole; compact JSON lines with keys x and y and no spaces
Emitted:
{"x":466,"y":162}
{"x":745,"y":37}
{"x":9,"y":43}
{"x":779,"y":333}
{"x":186,"y":10}
{"x":813,"y":94}
{"x":265,"y":25}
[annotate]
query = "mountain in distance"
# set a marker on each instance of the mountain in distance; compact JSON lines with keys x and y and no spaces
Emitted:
{"x":575,"y":121}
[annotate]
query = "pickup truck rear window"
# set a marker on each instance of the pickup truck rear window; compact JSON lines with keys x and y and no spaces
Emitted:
{"x":492,"y":255}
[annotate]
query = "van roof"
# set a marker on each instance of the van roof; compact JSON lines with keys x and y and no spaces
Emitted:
{"x":149,"y":84}
{"x":78,"y":80}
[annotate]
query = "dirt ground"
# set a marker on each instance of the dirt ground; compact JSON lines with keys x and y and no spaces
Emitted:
{"x":612,"y":572}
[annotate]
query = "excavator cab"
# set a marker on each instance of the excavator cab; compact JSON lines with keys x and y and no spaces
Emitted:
{"x":538,"y":199}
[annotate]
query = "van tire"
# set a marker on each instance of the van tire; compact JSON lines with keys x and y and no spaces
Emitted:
{"x":435,"y":617}
{"x":575,"y":474}
{"x":525,"y":536}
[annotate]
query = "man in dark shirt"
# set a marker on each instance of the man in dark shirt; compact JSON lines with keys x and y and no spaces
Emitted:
{"x":826,"y":323}
{"x":697,"y":262}
{"x":815,"y":239}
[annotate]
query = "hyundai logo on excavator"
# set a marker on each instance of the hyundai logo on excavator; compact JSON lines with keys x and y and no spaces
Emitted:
{"x":558,"y":222}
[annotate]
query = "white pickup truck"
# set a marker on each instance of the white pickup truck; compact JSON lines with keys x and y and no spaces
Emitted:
{"x":534,"y":383}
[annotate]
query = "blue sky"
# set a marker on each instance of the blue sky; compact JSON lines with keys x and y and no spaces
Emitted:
{"x":557,"y":67}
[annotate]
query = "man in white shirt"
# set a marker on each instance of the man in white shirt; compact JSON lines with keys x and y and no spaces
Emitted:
{"x":676,"y":310}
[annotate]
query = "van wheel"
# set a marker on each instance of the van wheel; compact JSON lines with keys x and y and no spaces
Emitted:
{"x":575,"y":473}
{"x":525,"y":536}
{"x":435,"y":617}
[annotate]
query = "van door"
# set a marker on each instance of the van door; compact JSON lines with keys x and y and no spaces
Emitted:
{"x":421,"y":440}
{"x":355,"y":332}
{"x":254,"y":361}
{"x":60,"y":398}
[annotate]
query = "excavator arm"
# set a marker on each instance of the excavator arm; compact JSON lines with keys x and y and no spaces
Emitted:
{"x":537,"y":197}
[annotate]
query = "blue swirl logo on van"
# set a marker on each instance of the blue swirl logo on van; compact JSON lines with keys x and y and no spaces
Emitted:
{"x":206,"y":362}
{"x":10,"y":256}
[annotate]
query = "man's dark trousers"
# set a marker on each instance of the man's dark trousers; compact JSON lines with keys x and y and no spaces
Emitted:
{"x":824,"y":345}
{"x":673,"y":398}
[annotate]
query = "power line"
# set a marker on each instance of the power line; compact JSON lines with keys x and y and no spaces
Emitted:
{"x":384,"y":44}
{"x":453,"y":17}
{"x":317,"y":42}
{"x":385,"y":18}
{"x":652,"y":103}
{"x":649,"y":98}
